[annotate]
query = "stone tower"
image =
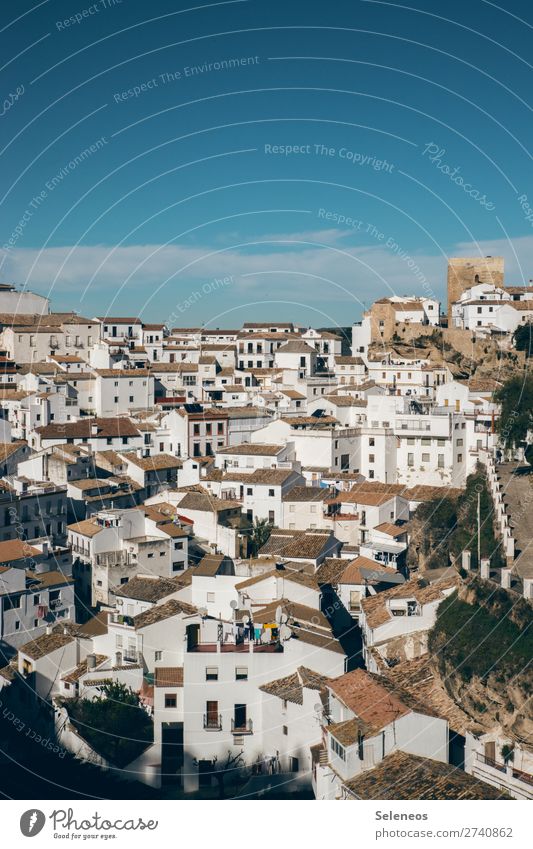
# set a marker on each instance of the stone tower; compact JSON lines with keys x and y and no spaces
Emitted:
{"x":464,"y":272}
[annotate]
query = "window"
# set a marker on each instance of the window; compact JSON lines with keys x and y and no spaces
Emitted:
{"x":425,"y":458}
{"x":170,"y":700}
{"x":339,"y":750}
{"x":158,"y":655}
{"x":441,"y":443}
{"x":131,"y":399}
{"x":271,"y":493}
{"x":161,"y":553}
{"x":178,"y":546}
{"x":355,"y":600}
{"x":371,"y":442}
{"x":211,"y":673}
{"x":410,"y":440}
{"x":249,"y":490}
{"x":241,"y":673}
{"x":440,"y":461}
{"x":313,"y":508}
{"x":211,"y":597}
{"x":196,"y":430}
{"x":292,"y":508}
{"x":371,"y":458}
{"x":459,"y":458}
{"x":371,"y":473}
{"x":36,"y":599}
{"x":425,"y":441}
{"x":151,"y":554}
{"x":286,"y":730}
{"x":410,"y":459}
{"x":459,"y":443}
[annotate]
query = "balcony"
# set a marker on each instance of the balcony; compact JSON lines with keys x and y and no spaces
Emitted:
{"x":246,"y":728}
{"x":212,"y":723}
{"x":515,"y":782}
{"x":119,"y":619}
{"x":115,"y":558}
{"x":245,"y":646}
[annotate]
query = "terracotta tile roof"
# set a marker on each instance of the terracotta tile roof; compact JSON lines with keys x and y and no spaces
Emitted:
{"x":155,"y":463}
{"x":17,"y":549}
{"x":345,"y":401}
{"x":53,"y":578}
{"x":363,"y":570}
{"x":253,"y":449}
{"x":106,"y":427}
{"x":209,"y":565}
{"x":317,"y":638}
{"x":87,"y":528}
{"x":81,"y":669}
{"x":318,"y":421}
{"x":349,"y":731}
{"x":297,"y":544}
{"x":275,"y":477}
{"x":295,"y":347}
{"x":330,"y":570}
{"x":408,"y":777}
{"x":391,"y":530}
{"x":7,"y":449}
{"x":291,"y":687}
{"x":307,"y":493}
{"x":375,"y":607}
{"x":418,"y":678}
{"x":370,"y":701}
{"x":168,"y":676}
{"x":145,"y":588}
{"x":369,"y":499}
{"x":45,"y":644}
{"x":159,"y":612}
{"x":288,"y":689}
{"x":206,"y":502}
{"x":121,"y":373}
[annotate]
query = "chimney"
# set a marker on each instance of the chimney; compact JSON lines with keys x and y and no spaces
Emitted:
{"x":94,"y":429}
{"x":466,"y":557}
{"x":485,"y":568}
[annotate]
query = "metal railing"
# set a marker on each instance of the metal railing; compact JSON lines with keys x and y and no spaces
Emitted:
{"x":212,"y":723}
{"x":246,"y":728}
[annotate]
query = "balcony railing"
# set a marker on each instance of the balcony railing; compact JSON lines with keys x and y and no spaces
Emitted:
{"x":212,"y":723}
{"x":119,"y":619}
{"x":115,"y":558}
{"x":246,"y":728}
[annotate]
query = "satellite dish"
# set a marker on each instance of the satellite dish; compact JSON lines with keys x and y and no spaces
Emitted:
{"x":245,"y":619}
{"x":283,"y":618}
{"x":318,"y":707}
{"x":285,"y":633}
{"x":279,"y":611}
{"x":233,"y":604}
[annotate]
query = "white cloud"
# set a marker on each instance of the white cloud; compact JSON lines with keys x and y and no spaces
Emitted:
{"x":294,"y":272}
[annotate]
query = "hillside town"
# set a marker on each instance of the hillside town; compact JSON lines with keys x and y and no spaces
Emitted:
{"x":273,"y":560}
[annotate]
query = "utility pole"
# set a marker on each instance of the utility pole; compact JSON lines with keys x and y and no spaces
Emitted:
{"x":479,"y":531}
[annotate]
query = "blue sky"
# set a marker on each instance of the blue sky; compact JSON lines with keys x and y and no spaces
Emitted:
{"x":216,"y":163}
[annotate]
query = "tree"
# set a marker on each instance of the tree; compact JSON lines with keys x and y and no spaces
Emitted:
{"x":516,"y":417}
{"x":114,"y":724}
{"x":230,"y":768}
{"x":523,"y":338}
{"x":259,"y":535}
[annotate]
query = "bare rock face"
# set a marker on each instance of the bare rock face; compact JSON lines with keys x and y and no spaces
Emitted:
{"x":497,"y":694}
